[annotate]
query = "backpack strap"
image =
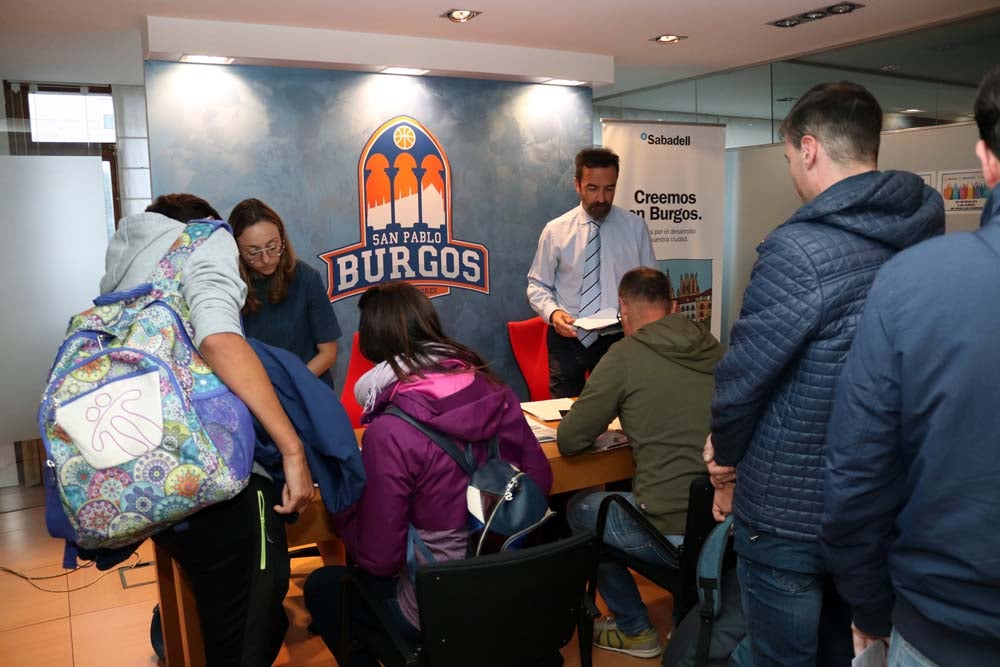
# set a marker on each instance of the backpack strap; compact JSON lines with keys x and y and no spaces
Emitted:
{"x":464,"y":459}
{"x":193,"y":235}
{"x":710,"y":563}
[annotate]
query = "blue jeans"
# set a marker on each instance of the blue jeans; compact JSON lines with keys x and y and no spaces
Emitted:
{"x":614,"y":581}
{"x":903,"y":654}
{"x":793,"y":618}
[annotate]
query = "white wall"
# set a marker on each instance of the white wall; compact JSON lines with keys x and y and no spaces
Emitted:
{"x":54,"y":249}
{"x":111,"y":56}
{"x":759,"y":194}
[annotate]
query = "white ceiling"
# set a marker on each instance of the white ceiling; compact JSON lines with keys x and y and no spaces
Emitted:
{"x":722,"y":34}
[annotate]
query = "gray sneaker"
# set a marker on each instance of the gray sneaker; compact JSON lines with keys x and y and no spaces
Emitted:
{"x":607,"y":636}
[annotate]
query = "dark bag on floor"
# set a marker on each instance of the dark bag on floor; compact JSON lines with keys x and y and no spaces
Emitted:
{"x":505,"y":504}
{"x":710,"y":632}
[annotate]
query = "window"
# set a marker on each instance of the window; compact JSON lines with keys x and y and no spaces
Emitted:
{"x":71,"y":117}
{"x":51,"y":119}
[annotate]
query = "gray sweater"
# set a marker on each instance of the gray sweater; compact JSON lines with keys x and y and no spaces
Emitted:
{"x":210,"y":283}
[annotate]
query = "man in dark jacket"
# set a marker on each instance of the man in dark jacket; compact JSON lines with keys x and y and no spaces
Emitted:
{"x":775,"y":386}
{"x":910,"y":493}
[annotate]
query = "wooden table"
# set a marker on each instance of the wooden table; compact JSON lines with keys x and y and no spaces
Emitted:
{"x":179,"y":615}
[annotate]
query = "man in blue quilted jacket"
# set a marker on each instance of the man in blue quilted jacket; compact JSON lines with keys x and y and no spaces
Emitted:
{"x":774,"y":388}
{"x":913,"y":454}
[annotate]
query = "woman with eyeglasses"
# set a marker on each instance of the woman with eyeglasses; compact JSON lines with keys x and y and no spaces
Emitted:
{"x":286,"y":303}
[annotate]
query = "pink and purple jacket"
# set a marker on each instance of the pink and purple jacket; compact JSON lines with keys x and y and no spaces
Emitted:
{"x":410,"y":480}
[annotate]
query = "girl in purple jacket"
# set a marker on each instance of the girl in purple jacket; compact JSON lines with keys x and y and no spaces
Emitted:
{"x":410,"y":480}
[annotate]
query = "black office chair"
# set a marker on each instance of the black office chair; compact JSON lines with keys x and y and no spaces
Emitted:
{"x":512,"y":609}
{"x":681,"y":581}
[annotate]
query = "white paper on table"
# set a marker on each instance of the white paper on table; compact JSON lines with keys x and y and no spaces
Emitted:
{"x":548,"y":410}
{"x":599,"y":320}
{"x":542,"y":432}
{"x":873,"y":656}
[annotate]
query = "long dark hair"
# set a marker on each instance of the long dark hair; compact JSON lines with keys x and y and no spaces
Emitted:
{"x":398,"y":323}
{"x":247,"y":214}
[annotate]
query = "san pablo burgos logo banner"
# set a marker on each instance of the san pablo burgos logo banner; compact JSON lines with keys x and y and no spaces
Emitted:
{"x":404,"y":196}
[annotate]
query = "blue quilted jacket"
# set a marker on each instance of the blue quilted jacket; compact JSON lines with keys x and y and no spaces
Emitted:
{"x":774,"y":388}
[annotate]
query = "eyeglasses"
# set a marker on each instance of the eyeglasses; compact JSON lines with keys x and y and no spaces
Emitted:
{"x":271,"y":250}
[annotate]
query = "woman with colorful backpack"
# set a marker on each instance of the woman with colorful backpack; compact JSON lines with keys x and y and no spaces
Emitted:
{"x":414,"y":489}
{"x":234,"y":551}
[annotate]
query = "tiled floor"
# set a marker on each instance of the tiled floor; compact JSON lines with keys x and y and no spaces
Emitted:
{"x":107,"y":625}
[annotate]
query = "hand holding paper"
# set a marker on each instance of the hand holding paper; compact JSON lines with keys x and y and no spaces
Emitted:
{"x":601,"y":319}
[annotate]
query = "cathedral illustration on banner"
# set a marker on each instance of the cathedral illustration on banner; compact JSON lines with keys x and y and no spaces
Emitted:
{"x":690,"y":283}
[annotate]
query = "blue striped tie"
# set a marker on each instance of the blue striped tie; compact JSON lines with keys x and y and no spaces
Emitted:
{"x":590,"y":291}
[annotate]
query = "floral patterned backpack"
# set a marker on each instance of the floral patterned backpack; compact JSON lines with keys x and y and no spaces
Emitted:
{"x":138,"y":430}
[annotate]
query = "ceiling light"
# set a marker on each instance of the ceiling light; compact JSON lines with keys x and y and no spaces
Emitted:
{"x":816,"y":14}
{"x":564,"y":82}
{"x":912,"y":110}
{"x":889,"y":68}
{"x":207,"y":60}
{"x":843,"y":8}
{"x":667,"y":39}
{"x":460,"y":15}
{"x":409,"y":71}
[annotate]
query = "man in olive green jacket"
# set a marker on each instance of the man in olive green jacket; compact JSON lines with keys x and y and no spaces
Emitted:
{"x":658,"y":380}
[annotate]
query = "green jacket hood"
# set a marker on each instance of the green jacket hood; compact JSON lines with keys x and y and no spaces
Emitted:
{"x":683,"y":342}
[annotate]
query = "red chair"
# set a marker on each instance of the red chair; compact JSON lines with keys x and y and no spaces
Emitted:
{"x":531,"y":351}
{"x":357,"y":366}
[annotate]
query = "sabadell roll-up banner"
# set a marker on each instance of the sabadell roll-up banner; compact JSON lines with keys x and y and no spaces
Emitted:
{"x":672,"y":175}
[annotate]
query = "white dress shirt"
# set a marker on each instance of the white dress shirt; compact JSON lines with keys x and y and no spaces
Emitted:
{"x":556,"y":274}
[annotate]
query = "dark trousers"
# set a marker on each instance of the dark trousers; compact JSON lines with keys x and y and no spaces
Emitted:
{"x":236,"y":557}
{"x":570,"y":361}
{"x":322,"y":597}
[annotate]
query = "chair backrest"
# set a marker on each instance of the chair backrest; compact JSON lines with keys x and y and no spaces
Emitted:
{"x":512,"y":608}
{"x":357,"y":366}
{"x":700,"y":522}
{"x":531,"y":351}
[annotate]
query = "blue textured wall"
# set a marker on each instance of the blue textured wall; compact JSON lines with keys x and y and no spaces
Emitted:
{"x":292,"y":137}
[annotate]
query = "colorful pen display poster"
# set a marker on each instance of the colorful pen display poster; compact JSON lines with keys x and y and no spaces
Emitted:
{"x":964,"y":191}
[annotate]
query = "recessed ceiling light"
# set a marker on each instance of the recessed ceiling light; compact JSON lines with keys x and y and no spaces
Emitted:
{"x":460,"y":15}
{"x":843,"y":8}
{"x":912,"y":110}
{"x":667,"y":39}
{"x":207,"y":60}
{"x":816,"y":14}
{"x":564,"y":82}
{"x":410,"y":71}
